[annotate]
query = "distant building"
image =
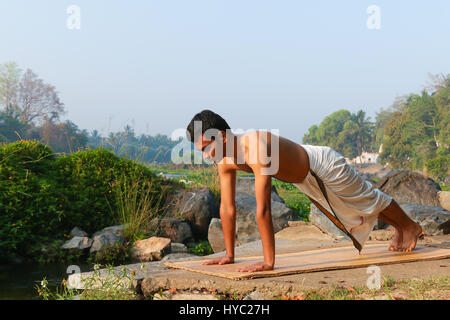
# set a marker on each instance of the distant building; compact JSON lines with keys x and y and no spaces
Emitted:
{"x":365,"y":157}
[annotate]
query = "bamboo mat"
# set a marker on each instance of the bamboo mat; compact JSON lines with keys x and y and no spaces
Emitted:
{"x":315,"y":260}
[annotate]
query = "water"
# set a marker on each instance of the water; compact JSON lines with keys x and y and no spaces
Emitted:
{"x":18,"y":281}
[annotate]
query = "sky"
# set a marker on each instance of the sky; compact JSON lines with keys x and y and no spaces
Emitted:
{"x":260,"y":64}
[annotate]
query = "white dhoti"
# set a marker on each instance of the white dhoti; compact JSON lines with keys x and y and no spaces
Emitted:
{"x":355,"y":200}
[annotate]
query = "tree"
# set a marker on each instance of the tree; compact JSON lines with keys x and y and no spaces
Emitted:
{"x":38,"y":100}
{"x":363,"y":134}
{"x":9,"y":83}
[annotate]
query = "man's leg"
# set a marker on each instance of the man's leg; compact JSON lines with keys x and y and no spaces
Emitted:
{"x":407,"y":231}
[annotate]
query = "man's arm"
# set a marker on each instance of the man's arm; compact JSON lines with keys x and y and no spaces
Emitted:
{"x":227,"y":212}
{"x":263,"y":189}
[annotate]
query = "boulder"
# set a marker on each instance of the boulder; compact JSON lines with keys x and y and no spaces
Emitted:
{"x":410,"y":187}
{"x":197,"y":207}
{"x":178,"y":248}
{"x":78,"y":243}
{"x":151,"y":249}
{"x":77,"y":232}
{"x":319,"y":219}
{"x":246,"y":224}
{"x":175,"y":229}
{"x":433,"y":220}
{"x":444,"y":199}
{"x":105,"y":240}
{"x":247,"y":186}
{"x":215,"y":235}
{"x":115,"y":229}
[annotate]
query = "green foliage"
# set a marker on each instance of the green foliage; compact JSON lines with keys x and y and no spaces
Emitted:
{"x":29,"y":209}
{"x":347,"y":133}
{"x":111,"y":284}
{"x":113,"y":255}
{"x":417,"y":135}
{"x":294,"y":198}
{"x":42,"y":197}
{"x":201,"y":249}
{"x":439,"y":166}
{"x":138,"y":202}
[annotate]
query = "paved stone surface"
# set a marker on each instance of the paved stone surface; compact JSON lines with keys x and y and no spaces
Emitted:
{"x":153,"y":277}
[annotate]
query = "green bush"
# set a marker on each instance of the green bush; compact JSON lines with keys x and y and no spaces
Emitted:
{"x":438,"y":167}
{"x":42,"y":196}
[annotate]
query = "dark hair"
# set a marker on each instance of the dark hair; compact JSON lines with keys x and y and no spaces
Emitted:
{"x":210,"y":120}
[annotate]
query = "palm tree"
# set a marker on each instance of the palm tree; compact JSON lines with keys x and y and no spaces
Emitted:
{"x":364,"y":130}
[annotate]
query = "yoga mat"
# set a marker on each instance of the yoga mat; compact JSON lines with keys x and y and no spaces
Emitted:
{"x":314,"y":260}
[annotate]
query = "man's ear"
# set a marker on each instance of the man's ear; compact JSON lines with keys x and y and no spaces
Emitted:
{"x":224,"y":136}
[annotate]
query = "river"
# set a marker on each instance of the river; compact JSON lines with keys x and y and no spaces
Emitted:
{"x":18,"y":281}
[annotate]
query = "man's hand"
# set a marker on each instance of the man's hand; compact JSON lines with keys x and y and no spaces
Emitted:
{"x":223,"y":260}
{"x":259,"y":266}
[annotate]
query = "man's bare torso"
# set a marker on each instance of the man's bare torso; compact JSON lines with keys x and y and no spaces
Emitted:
{"x":293,"y":160}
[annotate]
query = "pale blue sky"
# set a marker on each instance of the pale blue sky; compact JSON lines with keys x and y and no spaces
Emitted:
{"x":260,"y":64}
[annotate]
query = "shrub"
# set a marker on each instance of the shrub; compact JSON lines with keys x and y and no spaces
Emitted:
{"x":439,"y":166}
{"x":29,"y":210}
{"x":42,"y":196}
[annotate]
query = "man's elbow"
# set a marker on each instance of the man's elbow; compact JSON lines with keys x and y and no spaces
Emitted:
{"x":227,"y":211}
{"x":263,"y":212}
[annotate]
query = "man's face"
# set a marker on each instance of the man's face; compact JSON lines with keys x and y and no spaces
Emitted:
{"x":208,"y":147}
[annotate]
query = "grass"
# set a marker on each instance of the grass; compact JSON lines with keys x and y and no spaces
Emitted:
{"x":137,"y":205}
{"x":114,"y":285}
{"x":294,"y":198}
{"x":412,"y":289}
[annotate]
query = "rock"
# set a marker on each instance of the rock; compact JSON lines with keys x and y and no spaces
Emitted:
{"x":410,"y":187}
{"x":255,"y":295}
{"x":178,"y":248}
{"x":115,"y":229}
{"x":215,"y":235}
{"x":175,"y":229}
{"x":197,"y":207}
{"x":301,"y":230}
{"x":434,"y":220}
{"x":151,"y":285}
{"x":151,"y":249}
{"x":246,"y":225}
{"x":247,"y":186}
{"x":179,"y":256}
{"x":447,"y":180}
{"x":79,"y":243}
{"x":321,"y":221}
{"x":77,"y":232}
{"x":105,"y":240}
{"x":444,"y":199}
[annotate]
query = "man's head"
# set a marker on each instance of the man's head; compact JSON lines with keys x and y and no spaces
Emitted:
{"x":203,"y":130}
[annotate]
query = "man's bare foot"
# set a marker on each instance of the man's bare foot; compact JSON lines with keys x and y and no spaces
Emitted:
{"x":396,"y":242}
{"x":223,"y":260}
{"x":410,"y":237}
{"x":259,"y":266}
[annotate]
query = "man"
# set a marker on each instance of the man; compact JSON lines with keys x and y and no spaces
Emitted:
{"x":319,"y":172}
